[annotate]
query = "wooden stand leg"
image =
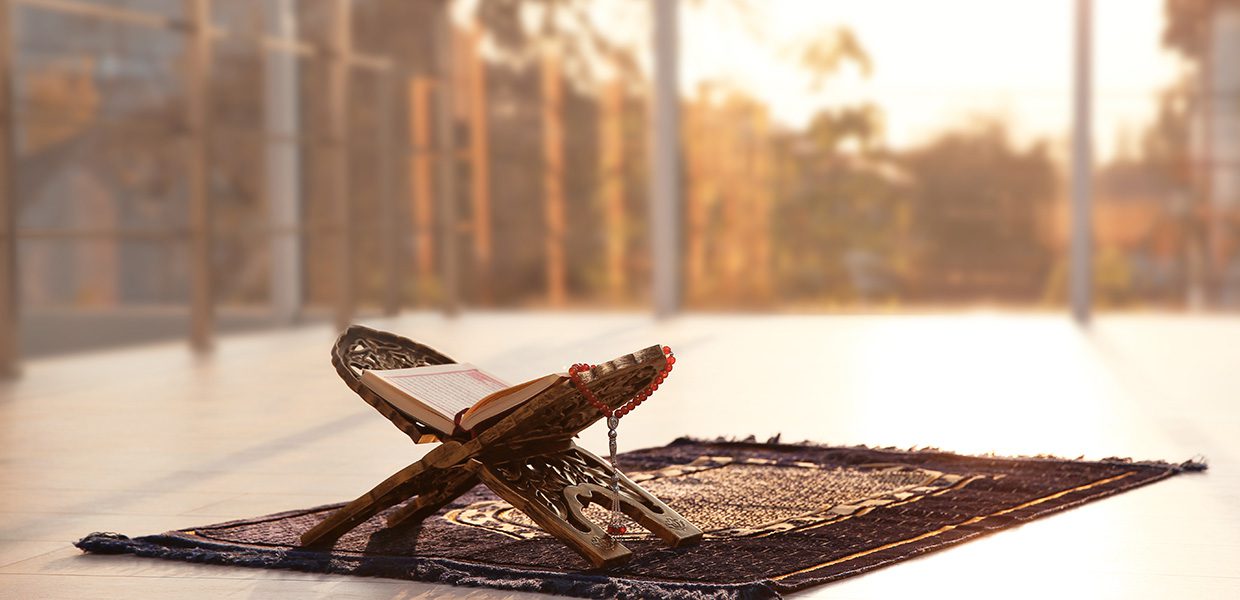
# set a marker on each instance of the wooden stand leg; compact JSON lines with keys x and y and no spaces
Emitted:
{"x":441,"y":474}
{"x":461,"y":480}
{"x":401,"y":486}
{"x":554,"y":488}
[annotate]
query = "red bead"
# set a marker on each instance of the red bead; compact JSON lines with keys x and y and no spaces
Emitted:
{"x":574,"y":375}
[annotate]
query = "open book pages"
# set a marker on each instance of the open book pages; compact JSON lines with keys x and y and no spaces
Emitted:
{"x":454,"y":396}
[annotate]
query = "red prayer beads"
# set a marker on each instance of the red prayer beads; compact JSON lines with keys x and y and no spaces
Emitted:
{"x":575,"y":371}
{"x":613,"y":420}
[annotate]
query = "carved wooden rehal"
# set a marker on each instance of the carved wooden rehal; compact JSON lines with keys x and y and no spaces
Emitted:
{"x":527,"y":458}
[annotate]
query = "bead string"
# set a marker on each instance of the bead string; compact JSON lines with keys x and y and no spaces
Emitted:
{"x":575,"y":371}
{"x":615,"y":526}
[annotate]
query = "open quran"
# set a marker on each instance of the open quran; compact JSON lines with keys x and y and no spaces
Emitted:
{"x":452,"y":398}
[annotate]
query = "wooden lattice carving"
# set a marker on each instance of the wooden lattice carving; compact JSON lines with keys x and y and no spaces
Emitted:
{"x":361,"y":348}
{"x":527,"y":457}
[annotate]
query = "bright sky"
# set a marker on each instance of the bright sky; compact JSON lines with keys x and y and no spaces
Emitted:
{"x":936,"y":62}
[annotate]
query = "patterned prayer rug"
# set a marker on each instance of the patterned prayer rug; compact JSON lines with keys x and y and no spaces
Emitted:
{"x":777,"y":518}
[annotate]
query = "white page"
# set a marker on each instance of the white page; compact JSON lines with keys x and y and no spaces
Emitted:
{"x":448,"y":388}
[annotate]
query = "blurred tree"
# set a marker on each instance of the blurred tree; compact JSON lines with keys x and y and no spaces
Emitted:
{"x":1187,"y":22}
{"x":1156,"y":172}
{"x":1153,"y":175}
{"x":841,"y":212}
{"x":826,"y":54}
{"x":1211,"y":228}
{"x":841,"y":216}
{"x":594,"y":44}
{"x":979,"y":203}
{"x":517,"y":29}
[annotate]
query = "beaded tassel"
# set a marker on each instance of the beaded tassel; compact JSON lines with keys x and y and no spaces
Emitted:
{"x":614,"y":527}
{"x":615,"y":523}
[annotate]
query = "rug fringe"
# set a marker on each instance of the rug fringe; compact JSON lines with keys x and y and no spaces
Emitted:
{"x":1195,"y":464}
{"x":430,"y":570}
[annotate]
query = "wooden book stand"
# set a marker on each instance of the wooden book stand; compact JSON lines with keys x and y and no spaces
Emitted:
{"x":527,"y":458}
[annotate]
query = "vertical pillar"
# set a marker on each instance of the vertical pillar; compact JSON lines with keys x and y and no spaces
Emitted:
{"x":389,"y":229}
{"x":763,"y":197}
{"x":1081,"y":284}
{"x":198,"y":71}
{"x":553,"y":176}
{"x":1222,"y":74}
{"x":701,"y":140}
{"x":611,"y":153}
{"x":420,"y":172}
{"x":445,"y":155}
{"x":665,"y":197}
{"x":9,"y":298}
{"x":1201,"y":130}
{"x":282,"y":165}
{"x":480,"y":165}
{"x":729,"y":161}
{"x":337,"y":150}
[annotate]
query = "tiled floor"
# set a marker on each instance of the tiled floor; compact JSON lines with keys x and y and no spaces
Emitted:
{"x":148,"y":439}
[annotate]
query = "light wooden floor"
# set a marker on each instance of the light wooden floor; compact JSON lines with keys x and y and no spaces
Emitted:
{"x":144,"y":440}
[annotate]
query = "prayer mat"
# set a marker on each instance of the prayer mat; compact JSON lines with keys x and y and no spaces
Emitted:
{"x":777,"y":518}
